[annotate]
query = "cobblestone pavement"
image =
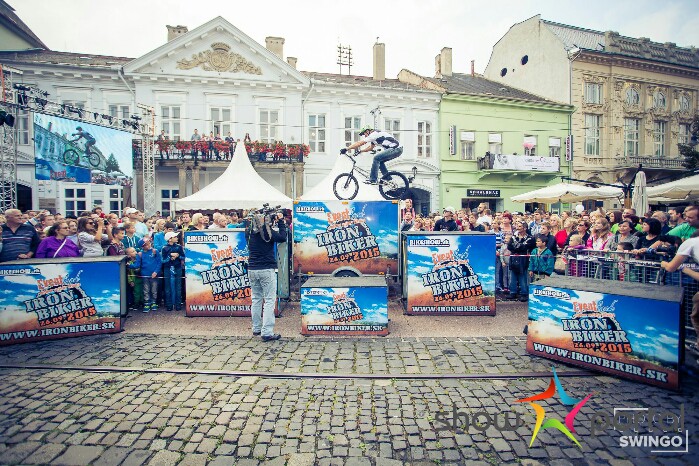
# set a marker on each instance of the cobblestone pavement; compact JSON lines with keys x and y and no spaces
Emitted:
{"x":292,"y":415}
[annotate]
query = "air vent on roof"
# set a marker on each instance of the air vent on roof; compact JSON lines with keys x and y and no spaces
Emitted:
{"x":504,"y":89}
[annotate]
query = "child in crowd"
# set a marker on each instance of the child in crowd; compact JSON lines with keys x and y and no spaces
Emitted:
{"x":575,"y":268}
{"x":623,"y":253}
{"x":541,"y":260}
{"x":133,"y":278}
{"x":150,"y":264}
{"x":172,"y":256}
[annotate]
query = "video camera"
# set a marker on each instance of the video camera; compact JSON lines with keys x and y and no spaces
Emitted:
{"x":263,"y":219}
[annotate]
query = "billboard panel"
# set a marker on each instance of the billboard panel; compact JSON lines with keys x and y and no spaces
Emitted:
{"x":450,"y":273}
{"x":632,"y":337}
{"x":81,"y":152}
{"x":337,"y":234}
{"x":60,"y":299}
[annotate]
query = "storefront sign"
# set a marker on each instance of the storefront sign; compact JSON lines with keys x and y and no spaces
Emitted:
{"x":482,"y":193}
{"x":526,"y":163}
{"x":628,"y":336}
{"x":344,"y":306}
{"x":346,"y":234}
{"x":450,"y":273}
{"x":60,"y":298}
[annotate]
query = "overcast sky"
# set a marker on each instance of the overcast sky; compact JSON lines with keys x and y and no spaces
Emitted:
{"x":414,"y":31}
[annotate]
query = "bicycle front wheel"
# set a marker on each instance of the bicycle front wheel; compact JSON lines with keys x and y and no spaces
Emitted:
{"x":94,"y":159}
{"x":346,"y":186}
{"x":393,"y":185}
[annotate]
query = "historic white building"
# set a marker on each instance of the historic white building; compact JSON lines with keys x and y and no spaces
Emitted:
{"x":215,"y":78}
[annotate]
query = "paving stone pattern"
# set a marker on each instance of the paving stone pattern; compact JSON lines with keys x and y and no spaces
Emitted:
{"x":74,"y":417}
{"x":289,"y":355}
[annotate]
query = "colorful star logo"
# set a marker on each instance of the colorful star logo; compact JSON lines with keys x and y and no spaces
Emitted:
{"x":568,"y":428}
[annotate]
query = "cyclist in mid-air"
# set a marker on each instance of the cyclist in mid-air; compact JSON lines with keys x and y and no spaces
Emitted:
{"x":89,"y":139}
{"x":390,"y":146}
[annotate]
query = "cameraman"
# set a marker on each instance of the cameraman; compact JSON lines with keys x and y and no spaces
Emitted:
{"x":262,"y":265}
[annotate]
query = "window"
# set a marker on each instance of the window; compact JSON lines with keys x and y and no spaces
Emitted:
{"x":593,"y":93}
{"x":166,"y":195}
{"x":424,"y":139}
{"x":685,"y":103}
{"x":468,"y":145}
{"x":352,"y":127}
{"x":495,"y":143}
{"x":659,"y":128}
{"x":269,"y":126}
{"x":392,"y":126}
{"x":659,"y":100}
{"x":632,"y":96}
{"x":170,"y":121}
{"x":220,"y":122}
{"x":120,"y":111}
{"x":316,"y":132}
{"x":22,"y":125}
{"x":684,"y":134}
{"x":632,"y":127}
{"x":116,"y":204}
{"x":75,"y":202}
{"x":554,"y":147}
{"x":529,"y":145}
{"x":593,"y":130}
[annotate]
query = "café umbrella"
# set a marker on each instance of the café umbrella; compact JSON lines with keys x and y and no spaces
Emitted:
{"x":568,"y":192}
{"x":639,"y":199}
{"x":675,"y":190}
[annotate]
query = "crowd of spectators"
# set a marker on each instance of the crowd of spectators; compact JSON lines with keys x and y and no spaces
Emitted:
{"x":155,"y":259}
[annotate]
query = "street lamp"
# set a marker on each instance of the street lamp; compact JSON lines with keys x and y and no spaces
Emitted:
{"x":412,"y":178}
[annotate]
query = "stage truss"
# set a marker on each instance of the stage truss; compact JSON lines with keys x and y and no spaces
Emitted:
{"x":8,"y":142}
{"x":148,"y":155}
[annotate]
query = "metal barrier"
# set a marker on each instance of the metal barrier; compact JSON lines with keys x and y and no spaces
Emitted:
{"x":623,"y":266}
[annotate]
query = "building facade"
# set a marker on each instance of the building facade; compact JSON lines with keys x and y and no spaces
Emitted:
{"x":634,"y":99}
{"x":218,"y":81}
{"x":496,"y":141}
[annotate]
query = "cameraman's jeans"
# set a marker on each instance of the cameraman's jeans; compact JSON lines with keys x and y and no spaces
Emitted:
{"x":263,"y":284}
{"x":380,"y":160}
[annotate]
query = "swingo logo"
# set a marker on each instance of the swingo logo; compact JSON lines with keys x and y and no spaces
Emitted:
{"x":568,"y":429}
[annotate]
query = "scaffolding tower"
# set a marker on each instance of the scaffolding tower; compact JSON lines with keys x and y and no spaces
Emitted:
{"x":8,"y":141}
{"x":148,"y":157}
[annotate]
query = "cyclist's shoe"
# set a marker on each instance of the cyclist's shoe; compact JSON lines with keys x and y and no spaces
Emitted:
{"x":370,"y":182}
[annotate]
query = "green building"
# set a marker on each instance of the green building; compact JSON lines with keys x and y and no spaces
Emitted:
{"x":496,"y":141}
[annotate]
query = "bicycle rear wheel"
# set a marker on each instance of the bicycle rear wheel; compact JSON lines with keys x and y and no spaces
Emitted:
{"x":346,"y":186}
{"x":393,"y":185}
{"x":71,"y":157}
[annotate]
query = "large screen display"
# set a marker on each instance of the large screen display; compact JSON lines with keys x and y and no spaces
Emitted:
{"x":71,"y":150}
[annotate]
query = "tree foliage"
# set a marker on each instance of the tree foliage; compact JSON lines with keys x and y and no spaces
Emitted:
{"x":112,"y":165}
{"x":689,"y":151}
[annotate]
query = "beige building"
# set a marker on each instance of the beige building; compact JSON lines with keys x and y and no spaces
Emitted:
{"x":634,"y":98}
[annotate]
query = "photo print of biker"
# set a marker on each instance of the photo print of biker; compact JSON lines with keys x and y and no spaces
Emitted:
{"x":390,"y":149}
{"x":89,"y":139}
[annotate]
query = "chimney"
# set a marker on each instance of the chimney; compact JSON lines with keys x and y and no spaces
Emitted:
{"x":292,"y":61}
{"x":173,"y":32}
{"x":445,"y":61}
{"x":473,"y":68}
{"x":379,"y":62}
{"x":275,"y":45}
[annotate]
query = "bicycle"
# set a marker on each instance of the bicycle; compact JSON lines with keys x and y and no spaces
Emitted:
{"x":393,"y":185}
{"x":72,"y":157}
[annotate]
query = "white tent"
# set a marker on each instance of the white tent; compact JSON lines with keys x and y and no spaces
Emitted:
{"x":566,"y":192}
{"x":677,"y":190}
{"x":239,"y":187}
{"x":323,"y":191}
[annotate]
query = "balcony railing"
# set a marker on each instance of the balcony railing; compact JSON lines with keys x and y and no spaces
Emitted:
{"x":652,"y":161}
{"x":222,"y":151}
